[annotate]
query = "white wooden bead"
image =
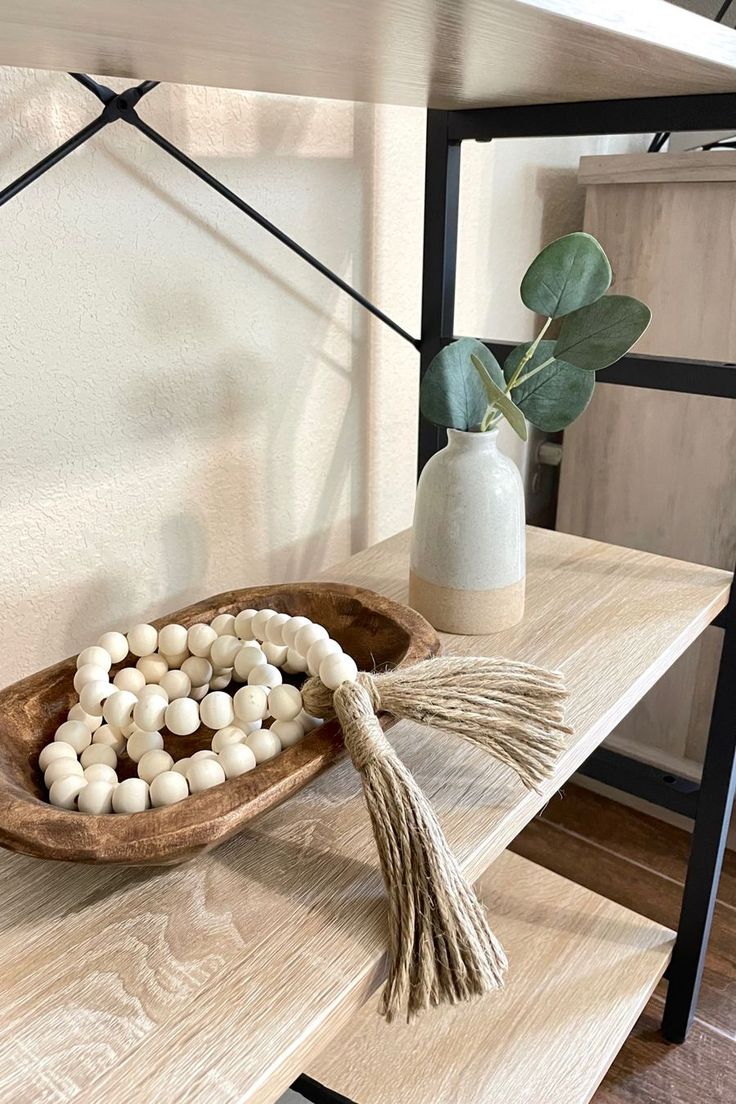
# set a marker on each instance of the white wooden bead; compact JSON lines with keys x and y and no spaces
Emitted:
{"x":198,"y":670}
{"x":129,"y":729}
{"x":274,"y":628}
{"x":175,"y":659}
{"x":203,"y":774}
{"x":98,"y":772}
{"x":176,"y":684}
{"x":131,"y":796}
{"x":307,"y":636}
{"x":76,"y":713}
{"x":172,"y":639}
{"x":150,"y":713}
{"x":200,"y":639}
{"x":141,"y":742}
{"x":265,"y":674}
{"x":96,"y":798}
{"x":246,"y":727}
{"x":264,"y":744}
{"x":221,"y":679}
{"x":118,"y":708}
{"x":181,"y":766}
{"x":64,"y":791}
{"x":319,"y":651}
{"x":142,"y":640}
{"x":99,"y":753}
{"x":288,"y":732}
{"x":251,"y":703}
{"x":247,"y":658}
{"x":291,"y":627}
{"x":224,"y":651}
{"x":336,"y":669}
{"x":285,"y":702}
{"x":205,"y":753}
{"x":58,"y":750}
{"x":167,"y":788}
{"x":153,"y":690}
{"x":74,"y":733}
{"x":129,"y":678}
{"x":295,"y":662}
{"x":224,"y":624}
{"x":93,"y":695}
{"x":96,"y":656}
{"x":231,"y":734}
{"x":259,"y":622}
{"x":197,"y":693}
{"x":243,"y":623}
{"x":110,"y":736}
{"x":153,"y":667}
{"x":216,"y":710}
{"x":154,"y":762}
{"x":90,"y":672}
{"x":182,"y":717}
{"x":115,"y":645}
{"x":275,"y":653}
{"x":62,"y":768}
{"x":236,"y":759}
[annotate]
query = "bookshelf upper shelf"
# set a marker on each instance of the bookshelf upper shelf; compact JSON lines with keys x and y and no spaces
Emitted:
{"x":437,"y":53}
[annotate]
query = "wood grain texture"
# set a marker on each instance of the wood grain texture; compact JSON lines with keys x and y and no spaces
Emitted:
{"x":422,"y":52}
{"x":641,"y":168}
{"x":637,"y":887}
{"x":371,"y":628}
{"x":216,"y":980}
{"x":584,"y":969}
{"x":651,"y":469}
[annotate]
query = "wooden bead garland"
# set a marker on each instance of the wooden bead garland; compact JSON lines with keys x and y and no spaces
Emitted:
{"x":177,"y":680}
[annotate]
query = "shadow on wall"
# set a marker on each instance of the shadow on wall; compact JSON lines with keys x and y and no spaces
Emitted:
{"x":220,"y":407}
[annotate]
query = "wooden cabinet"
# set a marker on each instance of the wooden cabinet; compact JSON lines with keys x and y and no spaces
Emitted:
{"x":653,"y":469}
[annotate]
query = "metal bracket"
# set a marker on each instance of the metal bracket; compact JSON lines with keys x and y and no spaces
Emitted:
{"x":121,"y":106}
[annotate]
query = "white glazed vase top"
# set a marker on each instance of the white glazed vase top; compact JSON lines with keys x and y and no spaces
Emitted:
{"x":468,"y":553}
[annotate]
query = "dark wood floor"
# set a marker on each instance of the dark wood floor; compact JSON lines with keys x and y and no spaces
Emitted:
{"x":640,"y":862}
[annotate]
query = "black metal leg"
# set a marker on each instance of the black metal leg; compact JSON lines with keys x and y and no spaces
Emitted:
{"x":441,"y":205}
{"x":712,"y":820}
{"x":317,"y":1093}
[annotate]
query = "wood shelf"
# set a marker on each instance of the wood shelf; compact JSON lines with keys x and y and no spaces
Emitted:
{"x":235,"y":969}
{"x":583,"y":970}
{"x":417,"y":52}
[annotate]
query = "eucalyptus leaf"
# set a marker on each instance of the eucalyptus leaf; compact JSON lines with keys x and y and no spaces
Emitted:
{"x":556,"y":395}
{"x":568,"y":274}
{"x":500,"y":399}
{"x":599,"y":334}
{"x":451,"y":392}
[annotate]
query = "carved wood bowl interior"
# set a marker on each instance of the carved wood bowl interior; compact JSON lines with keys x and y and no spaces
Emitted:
{"x":377,"y":632}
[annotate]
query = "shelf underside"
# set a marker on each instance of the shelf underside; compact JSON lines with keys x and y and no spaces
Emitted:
{"x":581,"y":970}
{"x":436,"y":53}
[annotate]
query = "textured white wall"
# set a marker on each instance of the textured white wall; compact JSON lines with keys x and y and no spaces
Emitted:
{"x":188,"y":407}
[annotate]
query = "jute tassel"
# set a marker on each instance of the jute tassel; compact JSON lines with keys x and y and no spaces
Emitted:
{"x":441,"y":949}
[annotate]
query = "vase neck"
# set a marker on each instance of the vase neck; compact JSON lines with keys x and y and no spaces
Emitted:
{"x":459,"y":440}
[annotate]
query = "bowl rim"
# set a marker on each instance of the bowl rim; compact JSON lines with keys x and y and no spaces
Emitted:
{"x":177,"y":832}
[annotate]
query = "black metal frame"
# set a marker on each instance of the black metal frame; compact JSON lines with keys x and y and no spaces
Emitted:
{"x":711,"y":804}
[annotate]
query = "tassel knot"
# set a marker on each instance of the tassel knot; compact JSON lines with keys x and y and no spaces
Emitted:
{"x":441,"y":949}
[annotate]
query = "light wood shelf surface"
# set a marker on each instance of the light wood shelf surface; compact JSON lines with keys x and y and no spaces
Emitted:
{"x":436,"y":53}
{"x":583,"y":969}
{"x":218,"y":980}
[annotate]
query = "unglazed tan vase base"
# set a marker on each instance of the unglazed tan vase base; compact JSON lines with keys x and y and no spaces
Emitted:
{"x":467,"y":612}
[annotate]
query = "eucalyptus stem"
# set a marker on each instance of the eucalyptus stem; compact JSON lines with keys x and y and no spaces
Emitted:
{"x":527,"y":356}
{"x":533,"y":372}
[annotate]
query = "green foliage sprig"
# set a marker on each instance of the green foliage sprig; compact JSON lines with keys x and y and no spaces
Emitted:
{"x":548,"y":382}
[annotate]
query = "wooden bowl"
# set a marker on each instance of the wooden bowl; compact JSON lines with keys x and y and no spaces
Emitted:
{"x":377,"y":632}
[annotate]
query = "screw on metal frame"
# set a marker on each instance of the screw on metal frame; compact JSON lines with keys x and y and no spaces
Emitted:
{"x":121,"y":105}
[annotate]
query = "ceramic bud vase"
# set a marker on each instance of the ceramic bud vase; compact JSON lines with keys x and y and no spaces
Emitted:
{"x":468,"y":559}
